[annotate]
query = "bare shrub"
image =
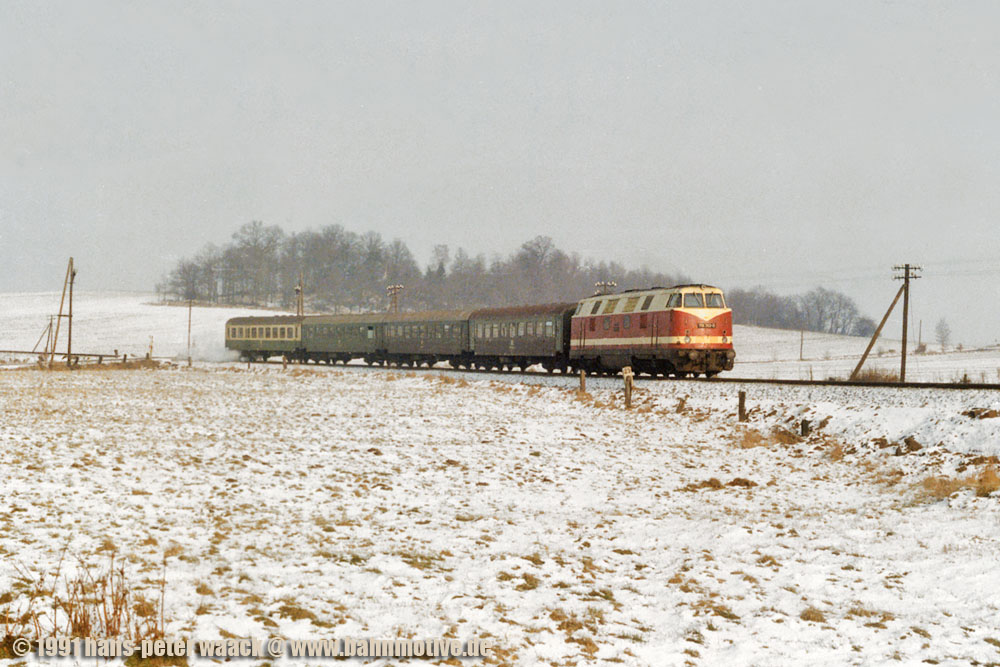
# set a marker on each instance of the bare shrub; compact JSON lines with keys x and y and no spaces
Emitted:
{"x":876,"y":375}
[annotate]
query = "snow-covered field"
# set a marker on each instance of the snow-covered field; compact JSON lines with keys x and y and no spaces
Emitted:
{"x":340,"y":502}
{"x":774,"y":353}
{"x":315,"y":502}
{"x":127,"y":322}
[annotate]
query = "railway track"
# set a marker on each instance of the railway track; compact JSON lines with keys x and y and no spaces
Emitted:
{"x":716,"y":380}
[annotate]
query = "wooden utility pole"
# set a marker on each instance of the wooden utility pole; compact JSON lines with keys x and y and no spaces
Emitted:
{"x":393,"y":293}
{"x":605,"y":286}
{"x":62,"y":299}
{"x":300,"y":298}
{"x":909,"y":273}
{"x":802,"y":342}
{"x":69,"y":323}
{"x":875,"y":335}
{"x":190,"y":308}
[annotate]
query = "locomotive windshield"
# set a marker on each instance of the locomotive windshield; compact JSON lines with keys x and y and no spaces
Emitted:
{"x":714,"y":300}
{"x":694,"y":300}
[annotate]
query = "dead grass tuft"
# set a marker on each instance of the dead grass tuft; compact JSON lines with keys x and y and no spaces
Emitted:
{"x":940,"y":487}
{"x":876,"y":375}
{"x":813,"y":615}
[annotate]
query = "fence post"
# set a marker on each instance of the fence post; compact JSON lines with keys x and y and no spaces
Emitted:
{"x":628,"y":375}
{"x":743,"y":406}
{"x":583,"y":381}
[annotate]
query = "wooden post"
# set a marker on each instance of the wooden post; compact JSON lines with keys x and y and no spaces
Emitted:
{"x":583,"y":381}
{"x":627,"y":375}
{"x":69,"y":322}
{"x":62,"y":299}
{"x":802,"y":341}
{"x":906,"y":317}
{"x":806,"y":427}
{"x":284,"y":362}
{"x":190,"y":307}
{"x":743,"y":406}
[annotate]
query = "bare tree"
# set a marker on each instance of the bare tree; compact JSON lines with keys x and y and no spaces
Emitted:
{"x":942,"y":333}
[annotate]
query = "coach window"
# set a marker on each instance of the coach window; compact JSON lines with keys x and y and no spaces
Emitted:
{"x":267,"y":332}
{"x":531,"y":329}
{"x":520,"y":328}
{"x":674,"y":301}
{"x":548,"y":329}
{"x":647,"y":301}
{"x":714,"y":300}
{"x":626,"y":322}
{"x":693,"y":300}
{"x":597,"y":307}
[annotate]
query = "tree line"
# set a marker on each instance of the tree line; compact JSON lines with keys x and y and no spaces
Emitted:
{"x":819,"y":309}
{"x":343,"y":271}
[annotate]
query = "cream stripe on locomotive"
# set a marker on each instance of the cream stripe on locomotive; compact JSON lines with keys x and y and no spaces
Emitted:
{"x":648,"y":340}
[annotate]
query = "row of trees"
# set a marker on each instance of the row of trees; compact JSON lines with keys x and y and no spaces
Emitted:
{"x":817,"y":310}
{"x":344,"y":271}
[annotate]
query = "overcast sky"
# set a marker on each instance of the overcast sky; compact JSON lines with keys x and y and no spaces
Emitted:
{"x":787,"y":144}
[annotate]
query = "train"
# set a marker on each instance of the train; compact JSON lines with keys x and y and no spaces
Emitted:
{"x":678,"y":331}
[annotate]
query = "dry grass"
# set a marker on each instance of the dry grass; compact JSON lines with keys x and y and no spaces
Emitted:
{"x":749,"y":438}
{"x":813,"y":615}
{"x":88,"y":604}
{"x":871,"y":617}
{"x":940,"y":487}
{"x":876,"y":375}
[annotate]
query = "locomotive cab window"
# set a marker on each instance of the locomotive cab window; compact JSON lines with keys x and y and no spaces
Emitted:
{"x":674,"y":301}
{"x":714,"y":300}
{"x":694,"y":300}
{"x":597,"y":307}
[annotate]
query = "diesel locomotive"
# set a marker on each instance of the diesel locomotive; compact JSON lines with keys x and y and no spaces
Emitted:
{"x":680,"y":331}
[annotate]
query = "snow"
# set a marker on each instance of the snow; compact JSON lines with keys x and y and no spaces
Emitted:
{"x":774,"y":353}
{"x":388,"y":504}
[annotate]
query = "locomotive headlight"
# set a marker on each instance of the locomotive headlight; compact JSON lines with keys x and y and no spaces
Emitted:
{"x":687,"y":339}
{"x":725,"y":339}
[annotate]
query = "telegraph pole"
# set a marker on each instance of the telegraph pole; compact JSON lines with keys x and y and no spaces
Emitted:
{"x":190,"y":307}
{"x":69,"y":330}
{"x":300,"y":306}
{"x":392,"y":291}
{"x":909,"y":273}
{"x":605,"y":286}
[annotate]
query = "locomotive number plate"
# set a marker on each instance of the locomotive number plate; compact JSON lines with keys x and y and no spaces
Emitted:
{"x":706,"y":325}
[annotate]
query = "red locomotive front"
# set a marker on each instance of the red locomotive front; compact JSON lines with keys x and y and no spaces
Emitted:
{"x":682,"y":330}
